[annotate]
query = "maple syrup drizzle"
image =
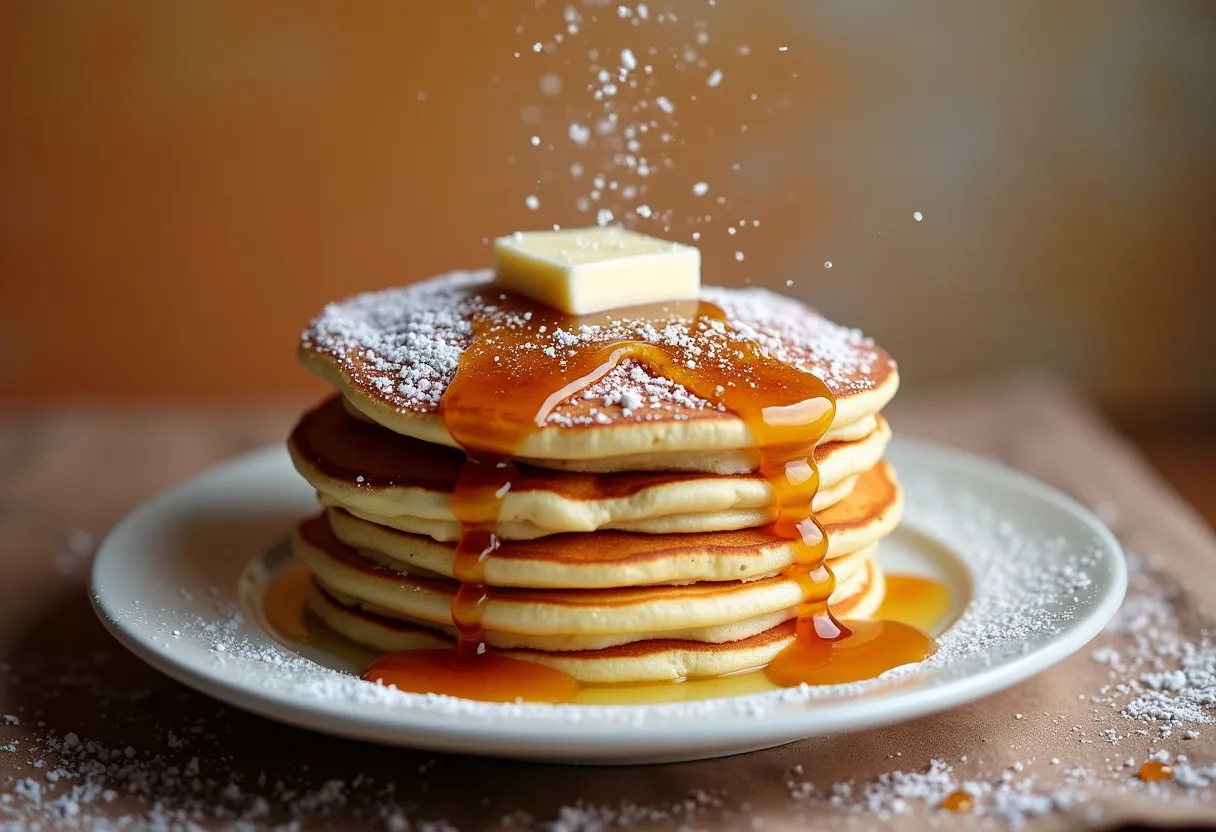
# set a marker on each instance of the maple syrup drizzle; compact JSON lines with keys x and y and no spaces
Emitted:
{"x":505,"y":388}
{"x":958,"y":801}
{"x":1155,"y":771}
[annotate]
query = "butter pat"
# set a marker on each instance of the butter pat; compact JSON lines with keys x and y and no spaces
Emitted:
{"x":585,"y":270}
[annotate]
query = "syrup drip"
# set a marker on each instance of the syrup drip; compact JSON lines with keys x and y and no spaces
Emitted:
{"x":505,"y":388}
{"x":958,"y":801}
{"x":1156,"y":771}
{"x":472,"y":670}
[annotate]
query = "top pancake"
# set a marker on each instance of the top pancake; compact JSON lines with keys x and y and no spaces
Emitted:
{"x":393,"y":353}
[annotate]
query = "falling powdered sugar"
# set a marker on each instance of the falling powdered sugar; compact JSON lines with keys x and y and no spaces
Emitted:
{"x":625,"y":123}
{"x":75,"y":556}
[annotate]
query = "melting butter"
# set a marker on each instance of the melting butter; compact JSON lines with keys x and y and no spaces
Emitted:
{"x":586,"y":270}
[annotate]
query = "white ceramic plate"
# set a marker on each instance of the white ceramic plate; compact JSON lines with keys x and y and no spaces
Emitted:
{"x":178,"y":582}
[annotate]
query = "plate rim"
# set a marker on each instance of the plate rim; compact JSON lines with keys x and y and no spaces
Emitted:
{"x":519,"y":734}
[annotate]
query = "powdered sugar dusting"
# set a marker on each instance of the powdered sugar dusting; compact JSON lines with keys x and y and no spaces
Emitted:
{"x":844,"y":358}
{"x":1159,"y":677}
{"x":629,"y":389}
{"x":1009,"y":799}
{"x":404,"y":345}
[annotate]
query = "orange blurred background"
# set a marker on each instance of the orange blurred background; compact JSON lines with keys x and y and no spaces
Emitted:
{"x":182,"y":184}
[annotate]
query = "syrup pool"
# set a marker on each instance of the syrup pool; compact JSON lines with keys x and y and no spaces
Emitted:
{"x":283,"y":611}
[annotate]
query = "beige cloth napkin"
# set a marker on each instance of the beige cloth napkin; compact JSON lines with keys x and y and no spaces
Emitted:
{"x":95,"y":734}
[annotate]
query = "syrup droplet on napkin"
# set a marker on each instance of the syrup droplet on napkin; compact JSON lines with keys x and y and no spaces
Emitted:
{"x":1155,"y":770}
{"x":958,"y":801}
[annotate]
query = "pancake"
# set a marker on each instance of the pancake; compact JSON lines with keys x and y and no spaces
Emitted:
{"x":872,"y":507}
{"x":621,"y":558}
{"x":378,"y":473}
{"x":853,"y":580}
{"x":616,"y":559}
{"x":647,"y":660}
{"x":725,"y":520}
{"x":633,"y":611}
{"x":393,"y":353}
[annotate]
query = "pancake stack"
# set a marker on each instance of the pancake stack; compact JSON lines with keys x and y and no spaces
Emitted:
{"x":634,"y":542}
